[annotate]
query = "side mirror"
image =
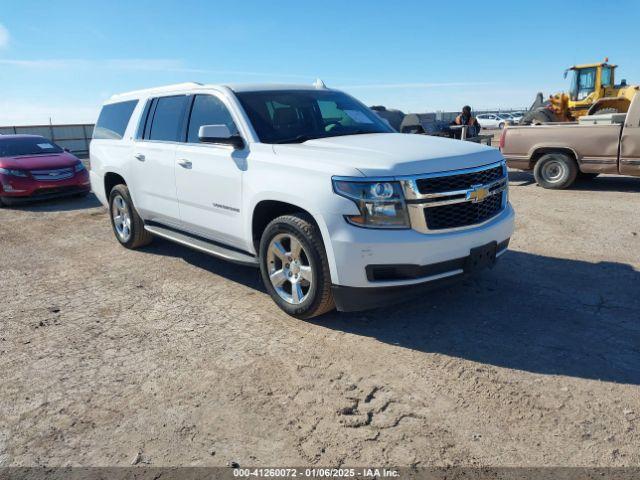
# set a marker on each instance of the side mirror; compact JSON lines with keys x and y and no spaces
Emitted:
{"x":66,"y":149}
{"x":219,"y":134}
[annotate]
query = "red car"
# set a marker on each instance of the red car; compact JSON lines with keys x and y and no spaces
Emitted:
{"x":32,"y":167}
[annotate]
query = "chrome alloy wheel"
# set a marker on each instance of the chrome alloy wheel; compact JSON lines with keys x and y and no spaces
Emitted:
{"x":554,"y":171}
{"x":121,"y":218}
{"x":289,"y":268}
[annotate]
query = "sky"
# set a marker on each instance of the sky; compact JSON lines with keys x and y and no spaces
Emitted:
{"x":61,"y":59}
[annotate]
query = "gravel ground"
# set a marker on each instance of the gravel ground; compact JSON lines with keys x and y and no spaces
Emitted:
{"x":167,"y":356}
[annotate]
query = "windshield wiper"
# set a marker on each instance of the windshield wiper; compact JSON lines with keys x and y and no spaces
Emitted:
{"x":354,"y":132}
{"x":296,"y":139}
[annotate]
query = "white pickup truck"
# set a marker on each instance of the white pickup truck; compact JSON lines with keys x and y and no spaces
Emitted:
{"x":304,"y":182}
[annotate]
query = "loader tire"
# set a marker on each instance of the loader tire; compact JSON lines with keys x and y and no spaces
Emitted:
{"x":605,"y":111}
{"x":539,"y":116}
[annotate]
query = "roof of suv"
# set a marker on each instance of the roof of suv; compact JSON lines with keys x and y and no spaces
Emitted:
{"x":258,"y":87}
{"x":9,"y":136}
{"x":188,"y":86}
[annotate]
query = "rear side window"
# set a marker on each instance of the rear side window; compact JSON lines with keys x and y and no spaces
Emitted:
{"x":168,"y":118}
{"x":208,"y":110}
{"x":113,"y":120}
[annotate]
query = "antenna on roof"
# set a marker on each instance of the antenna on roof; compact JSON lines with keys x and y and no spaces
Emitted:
{"x":319,"y":84}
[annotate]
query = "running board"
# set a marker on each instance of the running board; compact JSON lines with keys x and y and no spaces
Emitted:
{"x":203,"y":245}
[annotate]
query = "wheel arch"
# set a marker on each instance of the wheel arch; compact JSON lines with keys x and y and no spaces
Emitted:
{"x":111,"y":179}
{"x":621,"y":104}
{"x":267,"y":209}
{"x":538,"y":152}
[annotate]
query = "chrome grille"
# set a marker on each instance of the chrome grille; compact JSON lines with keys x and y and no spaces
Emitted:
{"x":459,"y":182}
{"x":52,"y":175}
{"x":456,"y":199}
{"x":462,"y":214}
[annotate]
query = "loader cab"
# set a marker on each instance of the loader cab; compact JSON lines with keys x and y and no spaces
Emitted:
{"x":590,"y":82}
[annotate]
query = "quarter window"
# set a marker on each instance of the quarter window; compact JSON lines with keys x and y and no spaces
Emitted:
{"x":168,"y":118}
{"x":113,"y":120}
{"x":208,"y":110}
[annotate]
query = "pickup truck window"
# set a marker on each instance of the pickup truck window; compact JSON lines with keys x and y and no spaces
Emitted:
{"x":295,"y":116}
{"x":208,"y":110}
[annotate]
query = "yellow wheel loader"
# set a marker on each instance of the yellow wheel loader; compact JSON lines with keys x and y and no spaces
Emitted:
{"x":593,"y":91}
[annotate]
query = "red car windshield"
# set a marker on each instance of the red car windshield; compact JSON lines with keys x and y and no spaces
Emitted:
{"x":21,"y":146}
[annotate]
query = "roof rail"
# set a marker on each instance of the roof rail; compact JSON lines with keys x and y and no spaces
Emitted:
{"x":163,"y":88}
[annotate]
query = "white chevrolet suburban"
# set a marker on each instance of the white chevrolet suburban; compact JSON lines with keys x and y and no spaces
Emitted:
{"x":304,"y":182}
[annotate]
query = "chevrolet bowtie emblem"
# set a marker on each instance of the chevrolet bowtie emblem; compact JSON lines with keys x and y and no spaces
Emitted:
{"x":477,"y":194}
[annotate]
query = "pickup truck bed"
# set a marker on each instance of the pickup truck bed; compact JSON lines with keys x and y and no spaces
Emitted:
{"x":557,"y":153}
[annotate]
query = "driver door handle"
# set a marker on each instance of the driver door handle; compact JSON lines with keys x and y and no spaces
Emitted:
{"x":184,"y":163}
{"x":139,"y":156}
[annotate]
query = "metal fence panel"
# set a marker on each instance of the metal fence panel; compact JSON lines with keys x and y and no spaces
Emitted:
{"x":44,"y":131}
{"x":68,"y":132}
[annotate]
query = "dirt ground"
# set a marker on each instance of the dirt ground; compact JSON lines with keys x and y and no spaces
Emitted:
{"x":170,"y":357}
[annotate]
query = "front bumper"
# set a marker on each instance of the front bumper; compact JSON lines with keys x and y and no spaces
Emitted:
{"x":14,"y":189}
{"x":353,"y":249}
{"x":437,"y":276}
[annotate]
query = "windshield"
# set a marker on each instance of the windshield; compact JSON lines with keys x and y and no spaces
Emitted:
{"x":19,"y":146}
{"x":583,"y":83}
{"x":295,"y":116}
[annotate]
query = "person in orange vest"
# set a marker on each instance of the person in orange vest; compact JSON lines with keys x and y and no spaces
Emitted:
{"x":465,"y":118}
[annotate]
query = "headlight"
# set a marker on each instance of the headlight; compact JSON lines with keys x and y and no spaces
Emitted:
{"x":381,"y":204}
{"x":13,"y":172}
{"x":79,"y":167}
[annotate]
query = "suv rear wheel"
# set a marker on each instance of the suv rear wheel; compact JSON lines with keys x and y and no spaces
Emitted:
{"x":555,"y":171}
{"x":127,"y":225}
{"x":294,"y":266}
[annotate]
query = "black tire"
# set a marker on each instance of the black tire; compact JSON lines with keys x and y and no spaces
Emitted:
{"x":501,"y":125}
{"x":2,"y":203}
{"x":318,"y":297}
{"x":605,"y":111}
{"x":538,"y":116}
{"x":138,"y":236}
{"x":555,"y":171}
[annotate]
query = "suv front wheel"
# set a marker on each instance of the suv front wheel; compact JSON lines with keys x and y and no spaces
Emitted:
{"x":127,"y":225}
{"x":294,"y":266}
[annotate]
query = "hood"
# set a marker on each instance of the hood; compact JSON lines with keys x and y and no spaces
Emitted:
{"x":391,"y":154}
{"x":39,"y":162}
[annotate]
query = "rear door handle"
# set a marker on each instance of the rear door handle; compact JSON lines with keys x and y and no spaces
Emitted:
{"x":139,"y":156}
{"x":184,"y":163}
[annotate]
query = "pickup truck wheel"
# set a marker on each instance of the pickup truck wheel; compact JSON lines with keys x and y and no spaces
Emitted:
{"x":294,"y":266}
{"x":127,"y":224}
{"x":555,"y":171}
